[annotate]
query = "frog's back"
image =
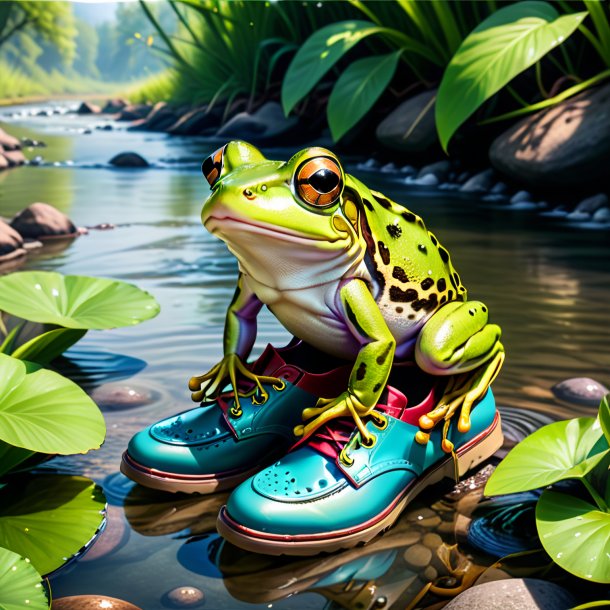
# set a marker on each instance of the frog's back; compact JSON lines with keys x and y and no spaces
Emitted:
{"x":411,"y":271}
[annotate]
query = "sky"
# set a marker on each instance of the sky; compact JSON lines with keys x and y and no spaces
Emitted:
{"x":96,"y":11}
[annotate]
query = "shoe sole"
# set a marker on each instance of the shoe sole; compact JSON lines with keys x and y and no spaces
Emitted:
{"x":470,"y":455}
{"x":182,"y":483}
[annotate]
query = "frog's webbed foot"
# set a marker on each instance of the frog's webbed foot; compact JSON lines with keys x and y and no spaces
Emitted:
{"x":462,"y":392}
{"x":208,"y":385}
{"x":344,"y":405}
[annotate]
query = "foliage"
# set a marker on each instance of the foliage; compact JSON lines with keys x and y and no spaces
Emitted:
{"x":21,"y":585}
{"x":574,"y":531}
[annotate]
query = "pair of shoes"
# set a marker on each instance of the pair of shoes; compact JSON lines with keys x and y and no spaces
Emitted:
{"x":330,"y":491}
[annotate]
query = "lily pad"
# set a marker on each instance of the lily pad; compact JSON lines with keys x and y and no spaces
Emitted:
{"x":21,"y":585}
{"x":562,"y":450}
{"x":75,"y":301}
{"x":49,"y":518}
{"x":604,"y":416}
{"x":576,"y":534}
{"x":42,"y":411}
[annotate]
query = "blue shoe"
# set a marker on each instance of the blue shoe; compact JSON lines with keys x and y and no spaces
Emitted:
{"x":214,"y":446}
{"x":334,"y":492}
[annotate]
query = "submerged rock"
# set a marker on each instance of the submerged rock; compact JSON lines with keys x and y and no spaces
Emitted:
{"x":133,"y":112}
{"x":411,"y":126}
{"x":159,"y":118}
{"x":42,"y":221}
{"x":184,"y":597}
{"x":114,"y":105}
{"x":514,"y":594}
{"x":14,"y":157}
{"x":128,"y":159}
{"x":590,"y":205}
{"x":92,"y":602}
{"x":579,"y":391}
{"x":120,"y":397}
{"x":88,"y":108}
{"x":8,"y":142}
{"x":565,"y":146}
{"x":11,"y":243}
{"x":479,"y":183}
{"x":197,"y":122}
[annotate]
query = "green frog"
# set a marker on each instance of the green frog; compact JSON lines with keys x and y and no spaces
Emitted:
{"x":348,"y":271}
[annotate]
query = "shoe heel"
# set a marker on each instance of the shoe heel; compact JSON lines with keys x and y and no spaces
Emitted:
{"x":473,"y":456}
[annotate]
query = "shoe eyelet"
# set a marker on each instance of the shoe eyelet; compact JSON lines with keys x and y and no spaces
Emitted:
{"x":261,"y":401}
{"x":280,"y":387}
{"x":381,"y":423}
{"x":236,"y":413}
{"x":345,"y":459}
{"x":370,"y":443}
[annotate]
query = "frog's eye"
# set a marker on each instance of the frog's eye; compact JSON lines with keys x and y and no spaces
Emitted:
{"x":319,"y":181}
{"x":212,"y":166}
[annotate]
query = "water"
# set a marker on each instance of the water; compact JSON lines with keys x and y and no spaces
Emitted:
{"x":546,"y":285}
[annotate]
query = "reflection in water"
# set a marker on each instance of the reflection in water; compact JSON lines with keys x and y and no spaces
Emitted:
{"x":546,"y":286}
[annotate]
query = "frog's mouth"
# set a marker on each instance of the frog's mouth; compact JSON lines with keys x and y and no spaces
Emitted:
{"x":223,"y":225}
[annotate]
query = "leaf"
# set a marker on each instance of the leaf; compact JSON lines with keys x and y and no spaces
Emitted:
{"x":501,"y":47}
{"x":48,"y":346}
{"x":575,"y":534}
{"x":11,"y":457}
{"x":562,"y":450}
{"x":9,"y":339}
{"x":75,"y":301}
{"x":604,"y":416}
{"x":318,"y":54}
{"x":357,"y":89}
{"x":49,"y":518}
{"x":42,"y":411}
{"x":21,"y":585}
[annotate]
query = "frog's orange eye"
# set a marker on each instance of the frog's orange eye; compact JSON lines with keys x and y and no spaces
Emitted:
{"x":319,"y":181}
{"x":212,"y":166}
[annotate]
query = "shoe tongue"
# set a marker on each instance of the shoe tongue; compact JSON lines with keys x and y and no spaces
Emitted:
{"x":393,"y":402}
{"x":268,"y":362}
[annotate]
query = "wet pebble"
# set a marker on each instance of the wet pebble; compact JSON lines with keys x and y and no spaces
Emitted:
{"x":579,"y":391}
{"x":432,"y":541}
{"x":184,"y":597}
{"x":410,"y":537}
{"x":91,"y":602}
{"x":430,"y":574}
{"x":120,"y":397}
{"x":112,"y":538}
{"x":520,"y":196}
{"x":417,"y":556}
{"x":425,"y":517}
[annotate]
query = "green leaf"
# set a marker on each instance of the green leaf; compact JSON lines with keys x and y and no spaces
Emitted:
{"x":602,"y":603}
{"x":357,"y":89}
{"x":562,"y":450}
{"x":74,"y":301}
{"x":46,"y":347}
{"x":21,"y":585}
{"x":11,"y":457}
{"x":319,"y":53}
{"x":49,"y":518}
{"x":575,"y":534}
{"x":604,"y":416}
{"x":501,"y":47}
{"x":42,"y":411}
{"x":9,"y":339}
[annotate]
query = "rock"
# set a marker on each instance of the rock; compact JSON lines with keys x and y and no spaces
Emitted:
{"x":88,"y":108}
{"x":432,"y":541}
{"x":91,"y":602}
{"x":128,"y":159}
{"x":120,"y":397}
{"x":426,"y":180}
{"x":158,"y":119}
{"x":3,"y":161}
{"x":440,"y":169}
{"x":524,"y":205}
{"x":11,"y":243}
{"x":133,"y":112}
{"x":408,"y":170}
{"x":411,"y":126}
{"x":591,"y":204}
{"x":8,"y":142}
{"x":494,"y":198}
{"x":388,"y":168}
{"x":430,"y":574}
{"x":184,"y":597}
{"x":579,"y":391}
{"x":602,"y":215}
{"x":112,"y":538}
{"x":499,"y":188}
{"x":565,"y":146}
{"x":197,"y":122}
{"x":32,"y":143}
{"x":514,"y":594}
{"x":520,"y":196}
{"x":114,"y":105}
{"x":267,"y":124}
{"x":14,"y":157}
{"x":479,"y":183}
{"x":578,"y":216}
{"x":42,"y":221}
{"x":417,"y":556}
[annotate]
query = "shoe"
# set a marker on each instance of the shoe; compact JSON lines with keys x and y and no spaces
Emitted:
{"x":334,"y":492}
{"x":214,"y":446}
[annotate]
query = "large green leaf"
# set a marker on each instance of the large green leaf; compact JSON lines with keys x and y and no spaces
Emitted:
{"x":46,"y":347}
{"x":42,"y":411}
{"x":604,"y":416}
{"x":74,"y":301}
{"x":562,"y":450}
{"x":11,"y":457}
{"x":49,"y":518}
{"x":319,"y":53}
{"x":21,"y":585}
{"x":357,"y":89}
{"x":575,"y":534}
{"x":501,"y":47}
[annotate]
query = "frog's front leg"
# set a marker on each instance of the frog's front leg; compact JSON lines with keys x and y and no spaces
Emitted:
{"x":372,"y":366}
{"x":457,"y":340}
{"x":239,"y":336}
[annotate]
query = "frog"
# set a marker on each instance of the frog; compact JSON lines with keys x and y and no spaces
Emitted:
{"x":352,"y":273}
